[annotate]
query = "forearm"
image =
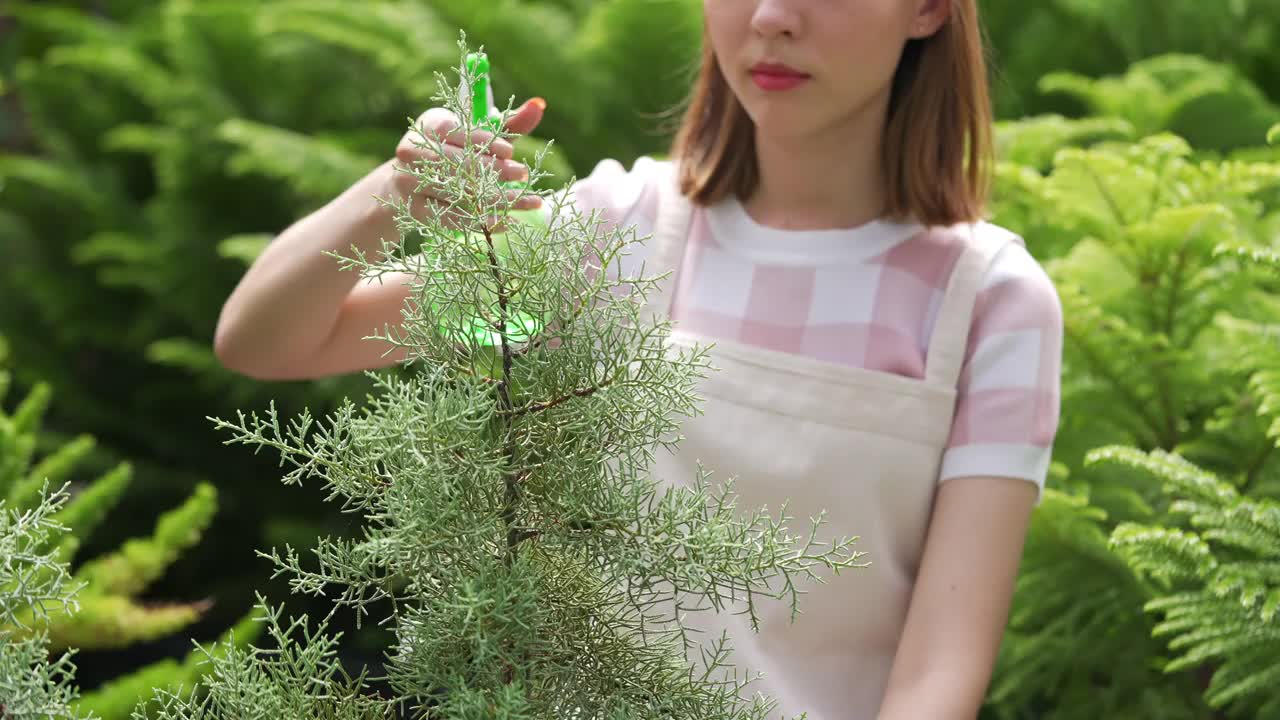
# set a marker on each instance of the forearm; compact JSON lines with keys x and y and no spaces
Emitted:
{"x":954,"y":694}
{"x":942,"y":669}
{"x":290,"y":300}
{"x":960,"y":604}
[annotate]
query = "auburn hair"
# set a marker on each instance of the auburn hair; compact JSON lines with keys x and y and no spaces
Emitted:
{"x":937,"y":150}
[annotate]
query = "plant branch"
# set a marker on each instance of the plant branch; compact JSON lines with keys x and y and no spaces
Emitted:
{"x":580,"y":392}
{"x":512,"y":490}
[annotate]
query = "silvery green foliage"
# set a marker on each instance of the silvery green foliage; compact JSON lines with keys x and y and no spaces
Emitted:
{"x":33,"y":582}
{"x":532,"y":566}
{"x":298,"y":676}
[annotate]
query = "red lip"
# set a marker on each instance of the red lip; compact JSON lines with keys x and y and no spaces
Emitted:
{"x":776,"y":77}
{"x":777,"y":69}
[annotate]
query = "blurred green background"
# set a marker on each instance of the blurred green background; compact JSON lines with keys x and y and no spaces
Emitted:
{"x":149,"y":149}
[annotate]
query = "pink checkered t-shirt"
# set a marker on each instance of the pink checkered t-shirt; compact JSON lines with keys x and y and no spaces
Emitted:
{"x":864,"y":297}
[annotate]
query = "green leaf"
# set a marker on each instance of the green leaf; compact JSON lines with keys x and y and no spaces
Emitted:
{"x":90,"y":506}
{"x":1034,"y":141}
{"x":120,"y":64}
{"x":197,"y":358}
{"x":1165,"y":554}
{"x":314,"y":167}
{"x":150,"y":139}
{"x":114,"y":621}
{"x":1206,"y":102}
{"x":244,"y":247}
{"x":139,"y":562}
{"x":1093,"y":266}
{"x":118,"y":697}
{"x":51,"y":471}
{"x":69,"y":24}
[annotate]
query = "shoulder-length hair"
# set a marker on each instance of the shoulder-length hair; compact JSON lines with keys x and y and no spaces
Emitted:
{"x":937,"y":149}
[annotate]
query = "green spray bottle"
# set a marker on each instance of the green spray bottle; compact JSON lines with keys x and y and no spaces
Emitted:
{"x":485,"y":115}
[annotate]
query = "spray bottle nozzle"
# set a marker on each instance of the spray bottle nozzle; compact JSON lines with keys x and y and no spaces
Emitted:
{"x":483,"y":111}
{"x":485,"y":115}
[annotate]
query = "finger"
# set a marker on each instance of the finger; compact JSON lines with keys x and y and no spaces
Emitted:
{"x":441,"y":125}
{"x":482,"y":138}
{"x":432,"y":210}
{"x":512,"y":171}
{"x":528,"y":202}
{"x":508,"y":170}
{"x":525,"y":118}
{"x":435,"y":211}
{"x":515,"y":198}
{"x":414,"y":147}
{"x":411,"y":154}
{"x":437,"y":122}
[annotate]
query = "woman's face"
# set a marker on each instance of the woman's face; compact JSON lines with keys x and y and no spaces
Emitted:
{"x":838,"y":56}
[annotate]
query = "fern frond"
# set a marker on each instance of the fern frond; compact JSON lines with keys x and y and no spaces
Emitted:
{"x":316,"y":168}
{"x":1208,"y":102}
{"x":1033,"y":142}
{"x":1176,"y":474}
{"x":120,"y":64}
{"x":1227,"y":577}
{"x":1166,"y":554}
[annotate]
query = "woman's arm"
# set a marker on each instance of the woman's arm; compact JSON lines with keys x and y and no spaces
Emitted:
{"x":960,"y":605}
{"x":295,"y":314}
{"x":294,"y":299}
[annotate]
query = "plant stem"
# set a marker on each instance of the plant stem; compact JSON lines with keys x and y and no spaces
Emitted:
{"x":1255,"y":469}
{"x":580,"y":392}
{"x":512,"y":490}
{"x":515,"y":535}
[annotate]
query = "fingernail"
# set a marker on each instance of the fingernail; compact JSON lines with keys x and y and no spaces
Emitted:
{"x":538,"y":103}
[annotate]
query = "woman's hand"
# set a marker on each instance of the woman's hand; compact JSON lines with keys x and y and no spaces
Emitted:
{"x":296,"y":315}
{"x":440,"y":124}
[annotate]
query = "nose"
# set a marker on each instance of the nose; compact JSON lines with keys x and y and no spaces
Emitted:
{"x":773,"y":18}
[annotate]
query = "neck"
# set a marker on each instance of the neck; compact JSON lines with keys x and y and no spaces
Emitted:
{"x":825,"y":180}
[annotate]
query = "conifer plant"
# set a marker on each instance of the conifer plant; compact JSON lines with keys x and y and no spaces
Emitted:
{"x":35,"y":584}
{"x":513,"y":540}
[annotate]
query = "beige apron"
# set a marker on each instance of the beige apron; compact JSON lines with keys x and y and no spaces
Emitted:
{"x":864,"y":445}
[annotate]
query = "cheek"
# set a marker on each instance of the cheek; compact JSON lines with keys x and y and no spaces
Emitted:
{"x":864,"y":49}
{"x":728,"y":25}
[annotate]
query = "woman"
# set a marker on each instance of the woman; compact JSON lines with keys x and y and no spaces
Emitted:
{"x":886,"y":355}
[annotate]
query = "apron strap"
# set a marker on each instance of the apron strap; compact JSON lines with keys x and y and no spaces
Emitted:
{"x":949,"y":341}
{"x":670,"y":236}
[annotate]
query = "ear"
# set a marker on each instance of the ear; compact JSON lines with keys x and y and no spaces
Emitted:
{"x":930,"y":16}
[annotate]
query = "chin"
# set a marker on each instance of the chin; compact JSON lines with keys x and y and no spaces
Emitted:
{"x":783,"y":123}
